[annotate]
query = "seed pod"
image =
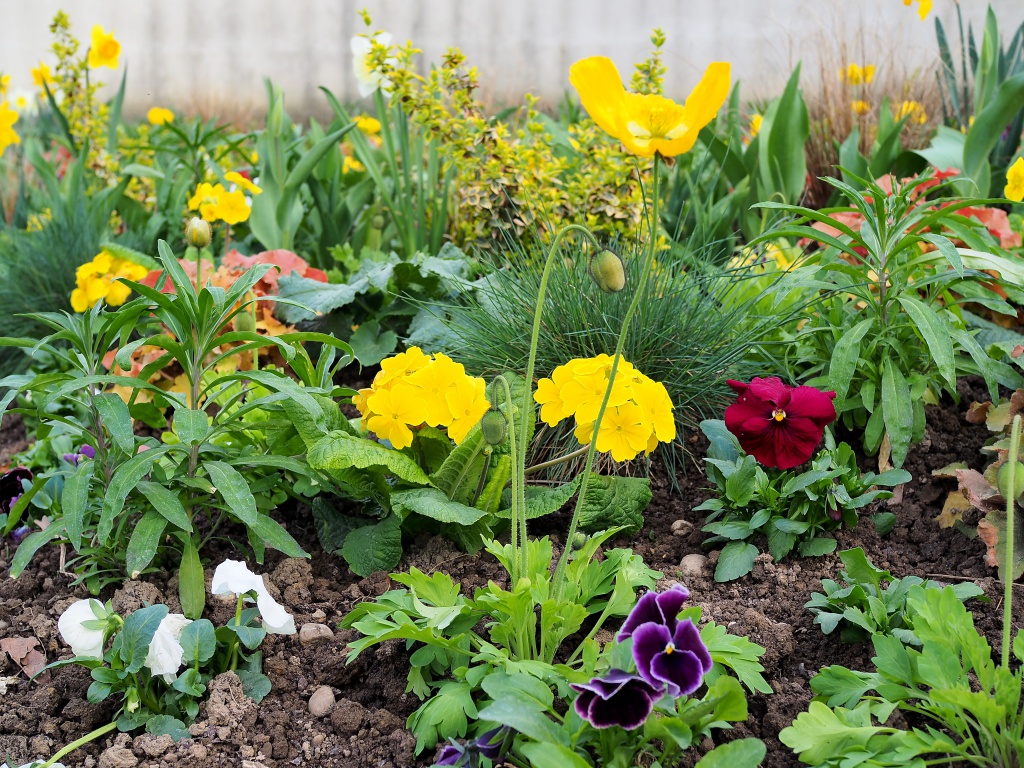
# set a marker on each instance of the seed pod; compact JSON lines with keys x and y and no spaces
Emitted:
{"x":494,"y":426}
{"x":1018,"y":479}
{"x":197,"y":233}
{"x":607,"y":271}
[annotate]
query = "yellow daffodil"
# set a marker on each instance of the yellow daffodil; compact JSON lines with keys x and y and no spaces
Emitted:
{"x":394,"y":411}
{"x":41,"y":76}
{"x":467,"y":402}
{"x":104,"y":50}
{"x":860,"y":107}
{"x":368,"y":125}
{"x":755,"y":125}
{"x":1014,"y":189}
{"x":915,"y":110}
{"x":924,"y":7}
{"x":648,"y":123}
{"x":233,"y":177}
{"x":8,"y":136}
{"x":159,"y":116}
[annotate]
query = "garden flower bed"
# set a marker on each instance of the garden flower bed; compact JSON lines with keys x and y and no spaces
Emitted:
{"x":433,"y":438}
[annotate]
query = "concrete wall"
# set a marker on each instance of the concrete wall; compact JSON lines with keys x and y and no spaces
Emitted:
{"x":212,"y":55}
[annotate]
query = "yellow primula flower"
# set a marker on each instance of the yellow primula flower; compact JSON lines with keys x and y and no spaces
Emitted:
{"x":368,"y":125}
{"x":755,"y":125}
{"x":433,"y":382}
{"x":159,"y":116}
{"x":41,"y":76}
{"x":394,"y":411}
{"x":8,"y":136}
{"x":467,"y":401}
{"x":104,"y":50}
{"x":206,"y":200}
{"x":549,"y":396}
{"x":648,"y":123}
{"x":915,"y":110}
{"x":1014,"y":189}
{"x":656,"y":406}
{"x":623,"y":433}
{"x":399,"y":365}
{"x":233,"y":177}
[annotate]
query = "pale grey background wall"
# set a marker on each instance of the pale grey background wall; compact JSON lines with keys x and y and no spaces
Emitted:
{"x":213,"y":54}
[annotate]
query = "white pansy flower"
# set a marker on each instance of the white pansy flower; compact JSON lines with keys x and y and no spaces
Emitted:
{"x":165,"y":651}
{"x":367,"y":76}
{"x":233,"y":577}
{"x":83,"y":641}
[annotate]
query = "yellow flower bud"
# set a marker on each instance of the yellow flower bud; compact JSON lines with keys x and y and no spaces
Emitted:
{"x":607,"y":271}
{"x":197,"y":233}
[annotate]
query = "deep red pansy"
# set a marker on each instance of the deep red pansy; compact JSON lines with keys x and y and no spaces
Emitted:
{"x":779,"y":425}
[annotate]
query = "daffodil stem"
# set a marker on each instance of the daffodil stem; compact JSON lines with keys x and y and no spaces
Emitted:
{"x":80,"y":742}
{"x":559,"y":577}
{"x":527,"y":404}
{"x":1011,"y":513}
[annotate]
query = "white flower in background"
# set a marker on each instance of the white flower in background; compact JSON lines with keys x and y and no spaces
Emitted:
{"x":83,"y":641}
{"x":165,"y":651}
{"x":233,"y":577}
{"x":24,"y":102}
{"x":368,"y":77}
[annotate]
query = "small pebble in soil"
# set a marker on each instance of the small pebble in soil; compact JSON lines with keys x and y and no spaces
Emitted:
{"x":682,"y":528}
{"x":322,"y":701}
{"x":313,"y":634}
{"x":693,"y":566}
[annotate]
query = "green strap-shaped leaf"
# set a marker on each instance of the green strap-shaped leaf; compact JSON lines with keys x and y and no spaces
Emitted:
{"x":144,"y":542}
{"x":167,"y":504}
{"x":897,"y":411}
{"x":273,"y":535}
{"x":125,"y":478}
{"x":935,"y":334}
{"x":190,"y":425}
{"x":845,"y":356}
{"x":32,"y":544}
{"x":114,"y":412}
{"x":191,"y":582}
{"x":233,"y":489}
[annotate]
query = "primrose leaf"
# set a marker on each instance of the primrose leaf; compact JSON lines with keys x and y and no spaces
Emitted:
{"x":374,"y":547}
{"x":614,"y":501}
{"x":339,"y":451}
{"x":433,"y":503}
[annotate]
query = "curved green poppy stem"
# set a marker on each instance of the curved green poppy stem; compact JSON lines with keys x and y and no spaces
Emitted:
{"x":519,"y":559}
{"x":80,"y":742}
{"x":559,"y":577}
{"x":527,"y":405}
{"x":1011,"y":513}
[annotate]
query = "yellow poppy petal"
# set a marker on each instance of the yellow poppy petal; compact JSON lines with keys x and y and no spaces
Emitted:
{"x":601,"y":93}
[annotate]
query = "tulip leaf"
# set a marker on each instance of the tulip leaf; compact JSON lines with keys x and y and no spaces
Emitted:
{"x":191,"y":582}
{"x":988,"y":127}
{"x":199,"y":642}
{"x":137,"y":633}
{"x":234,"y":489}
{"x":735,"y":560}
{"x":143,"y":544}
{"x":374,"y":547}
{"x":742,"y":753}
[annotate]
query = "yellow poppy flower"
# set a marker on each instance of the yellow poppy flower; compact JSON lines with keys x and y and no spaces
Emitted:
{"x":8,"y":136}
{"x":1014,"y":189}
{"x":105,"y":50}
{"x":232,"y":207}
{"x":915,"y":110}
{"x":233,"y":177}
{"x":159,"y":116}
{"x":755,"y":125}
{"x":393,"y":412}
{"x":648,"y":123}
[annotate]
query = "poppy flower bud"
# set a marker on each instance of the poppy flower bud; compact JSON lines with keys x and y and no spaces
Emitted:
{"x":244,"y":321}
{"x":494,"y":426}
{"x":578,"y":540}
{"x":607,"y":271}
{"x":1018,"y":480}
{"x":377,"y":222}
{"x":197,"y":233}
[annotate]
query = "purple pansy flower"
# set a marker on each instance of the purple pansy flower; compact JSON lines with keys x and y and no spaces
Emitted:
{"x":618,"y":698}
{"x":85,"y":451}
{"x":490,"y":745}
{"x":667,"y":652}
{"x":11,"y":488}
{"x":451,"y":754}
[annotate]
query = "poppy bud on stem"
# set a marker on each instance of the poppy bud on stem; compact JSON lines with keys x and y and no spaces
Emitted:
{"x":197,"y":233}
{"x":607,"y":271}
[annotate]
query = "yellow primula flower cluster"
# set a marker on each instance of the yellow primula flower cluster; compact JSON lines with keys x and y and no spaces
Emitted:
{"x":217,"y":203}
{"x":413,"y":389}
{"x":97,"y":280}
{"x":8,"y":117}
{"x":639,"y":412}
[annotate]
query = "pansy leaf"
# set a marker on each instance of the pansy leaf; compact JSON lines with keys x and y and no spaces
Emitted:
{"x":137,"y":634}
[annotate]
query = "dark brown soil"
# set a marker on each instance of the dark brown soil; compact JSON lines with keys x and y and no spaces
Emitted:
{"x":366,"y":725}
